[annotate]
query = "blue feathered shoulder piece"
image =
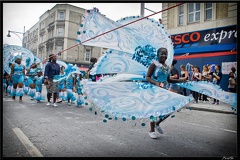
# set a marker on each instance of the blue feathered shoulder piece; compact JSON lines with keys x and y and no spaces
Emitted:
{"x":67,"y":72}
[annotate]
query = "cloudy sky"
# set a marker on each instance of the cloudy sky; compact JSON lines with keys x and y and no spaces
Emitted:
{"x":18,"y":15}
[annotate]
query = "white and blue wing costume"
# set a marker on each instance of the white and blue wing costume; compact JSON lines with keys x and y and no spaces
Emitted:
{"x":10,"y":51}
{"x":132,"y":49}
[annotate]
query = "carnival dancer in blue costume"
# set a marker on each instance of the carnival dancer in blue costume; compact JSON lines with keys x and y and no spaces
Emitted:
{"x":159,"y":75}
{"x":39,"y":79}
{"x":5,"y":82}
{"x":61,"y":87}
{"x":10,"y":87}
{"x":17,"y":76}
{"x":132,"y":49}
{"x":10,"y":83}
{"x":26,"y":85}
{"x":70,"y":83}
{"x":31,"y":73}
{"x":79,"y":88}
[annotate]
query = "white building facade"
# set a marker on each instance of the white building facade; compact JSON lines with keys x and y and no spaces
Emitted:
{"x":56,"y":31}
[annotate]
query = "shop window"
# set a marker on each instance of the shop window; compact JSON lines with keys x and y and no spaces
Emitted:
{"x":208,"y":11}
{"x":194,"y":12}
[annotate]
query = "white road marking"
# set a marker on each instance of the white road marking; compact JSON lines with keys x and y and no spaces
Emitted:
{"x":227,"y":130}
{"x":33,"y":151}
{"x":8,"y":99}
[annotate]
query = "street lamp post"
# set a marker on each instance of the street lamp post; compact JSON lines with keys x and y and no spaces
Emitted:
{"x":142,"y":9}
{"x":14,"y":32}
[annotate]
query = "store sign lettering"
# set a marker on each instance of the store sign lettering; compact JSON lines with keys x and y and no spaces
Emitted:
{"x":223,"y":35}
{"x":186,"y":38}
{"x":210,"y":40}
{"x":220,"y":35}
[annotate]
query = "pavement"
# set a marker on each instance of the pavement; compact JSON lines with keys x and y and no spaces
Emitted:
{"x":209,"y":107}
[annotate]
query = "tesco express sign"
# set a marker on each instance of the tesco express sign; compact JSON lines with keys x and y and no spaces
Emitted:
{"x":207,"y":37}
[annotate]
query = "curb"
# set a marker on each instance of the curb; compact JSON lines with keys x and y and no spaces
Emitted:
{"x":210,"y":110}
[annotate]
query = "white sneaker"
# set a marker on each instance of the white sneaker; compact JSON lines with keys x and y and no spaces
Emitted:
{"x":152,"y":135}
{"x":59,"y":100}
{"x":69,"y":104}
{"x":54,"y":105}
{"x":48,"y":104}
{"x":159,"y":129}
{"x":73,"y":102}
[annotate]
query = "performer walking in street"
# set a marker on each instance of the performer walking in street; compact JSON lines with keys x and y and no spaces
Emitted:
{"x":51,"y":69}
{"x":159,"y":75}
{"x":17,"y":76}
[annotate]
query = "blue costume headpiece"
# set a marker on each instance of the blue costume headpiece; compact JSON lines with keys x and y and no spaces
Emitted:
{"x":17,"y":57}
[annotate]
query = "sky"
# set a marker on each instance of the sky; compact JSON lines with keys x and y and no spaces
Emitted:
{"x":18,"y":15}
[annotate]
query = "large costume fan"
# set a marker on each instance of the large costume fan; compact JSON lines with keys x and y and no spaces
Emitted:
{"x":133,"y":48}
{"x":10,"y":51}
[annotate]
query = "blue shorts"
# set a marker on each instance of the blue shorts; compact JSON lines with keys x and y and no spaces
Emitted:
{"x":174,"y":87}
{"x":30,"y":81}
{"x":69,"y":86}
{"x":17,"y":79}
{"x":39,"y":88}
{"x":60,"y":86}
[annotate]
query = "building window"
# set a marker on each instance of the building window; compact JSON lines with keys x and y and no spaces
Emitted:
{"x":181,"y":14}
{"x":193,"y":12}
{"x":59,"y":48}
{"x":87,"y":55}
{"x":50,"y":51}
{"x":42,"y":25}
{"x":209,"y":9}
{"x":61,"y":15}
{"x":50,"y":34}
{"x":41,"y":39}
{"x":60,"y":32}
{"x":52,"y":18}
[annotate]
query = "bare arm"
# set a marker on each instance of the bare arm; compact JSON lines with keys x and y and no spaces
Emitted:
{"x":170,"y":80}
{"x":74,"y":82}
{"x":230,"y":82}
{"x":12,"y":69}
{"x":23,"y":70}
{"x":150,"y":73}
{"x":200,"y":77}
{"x":186,"y":76}
{"x":175,"y":76}
{"x":28,"y":70}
